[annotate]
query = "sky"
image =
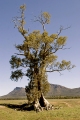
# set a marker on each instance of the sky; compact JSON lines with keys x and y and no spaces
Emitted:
{"x":63,"y":13}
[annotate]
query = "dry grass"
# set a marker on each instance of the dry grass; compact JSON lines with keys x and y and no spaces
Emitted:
{"x":69,"y":110}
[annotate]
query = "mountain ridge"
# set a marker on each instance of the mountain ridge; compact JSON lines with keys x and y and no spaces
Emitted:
{"x":55,"y":90}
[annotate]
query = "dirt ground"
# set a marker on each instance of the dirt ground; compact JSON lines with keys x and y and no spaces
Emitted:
{"x":2,"y":106}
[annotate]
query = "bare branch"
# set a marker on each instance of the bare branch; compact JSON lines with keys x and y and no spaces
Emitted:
{"x":66,"y":48}
{"x":60,"y":30}
{"x":54,"y":70}
{"x":43,"y":19}
{"x":19,"y":54}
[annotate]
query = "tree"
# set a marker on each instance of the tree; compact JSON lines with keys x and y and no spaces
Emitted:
{"x":37,"y":55}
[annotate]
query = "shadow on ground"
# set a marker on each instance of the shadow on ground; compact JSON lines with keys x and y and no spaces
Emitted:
{"x":24,"y":106}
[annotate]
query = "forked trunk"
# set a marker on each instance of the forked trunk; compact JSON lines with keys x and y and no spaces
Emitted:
{"x":41,"y":104}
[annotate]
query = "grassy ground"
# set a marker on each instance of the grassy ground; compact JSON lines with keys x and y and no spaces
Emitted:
{"x":69,"y":110}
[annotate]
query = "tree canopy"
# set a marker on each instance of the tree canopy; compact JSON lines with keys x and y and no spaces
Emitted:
{"x":37,"y":55}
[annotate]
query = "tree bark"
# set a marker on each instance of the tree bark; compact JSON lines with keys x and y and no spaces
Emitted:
{"x":41,"y":104}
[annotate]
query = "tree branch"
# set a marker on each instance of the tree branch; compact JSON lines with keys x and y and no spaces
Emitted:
{"x":19,"y":54}
{"x":61,"y":28}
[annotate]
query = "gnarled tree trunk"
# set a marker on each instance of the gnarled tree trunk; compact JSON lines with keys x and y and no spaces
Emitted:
{"x":35,"y":91}
{"x":41,"y":104}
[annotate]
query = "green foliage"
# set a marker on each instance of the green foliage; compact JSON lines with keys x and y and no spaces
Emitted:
{"x":15,"y":62}
{"x":61,"y":40}
{"x":46,"y":16}
{"x":16,"y":75}
{"x":37,"y":55}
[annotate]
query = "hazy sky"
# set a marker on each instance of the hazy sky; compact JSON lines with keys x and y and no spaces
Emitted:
{"x":63,"y":13}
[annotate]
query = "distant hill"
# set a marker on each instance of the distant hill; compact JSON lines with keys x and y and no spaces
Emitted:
{"x":58,"y":90}
{"x":18,"y":92}
{"x":55,"y":90}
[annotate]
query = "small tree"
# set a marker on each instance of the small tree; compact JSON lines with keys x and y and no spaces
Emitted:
{"x":37,"y":55}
